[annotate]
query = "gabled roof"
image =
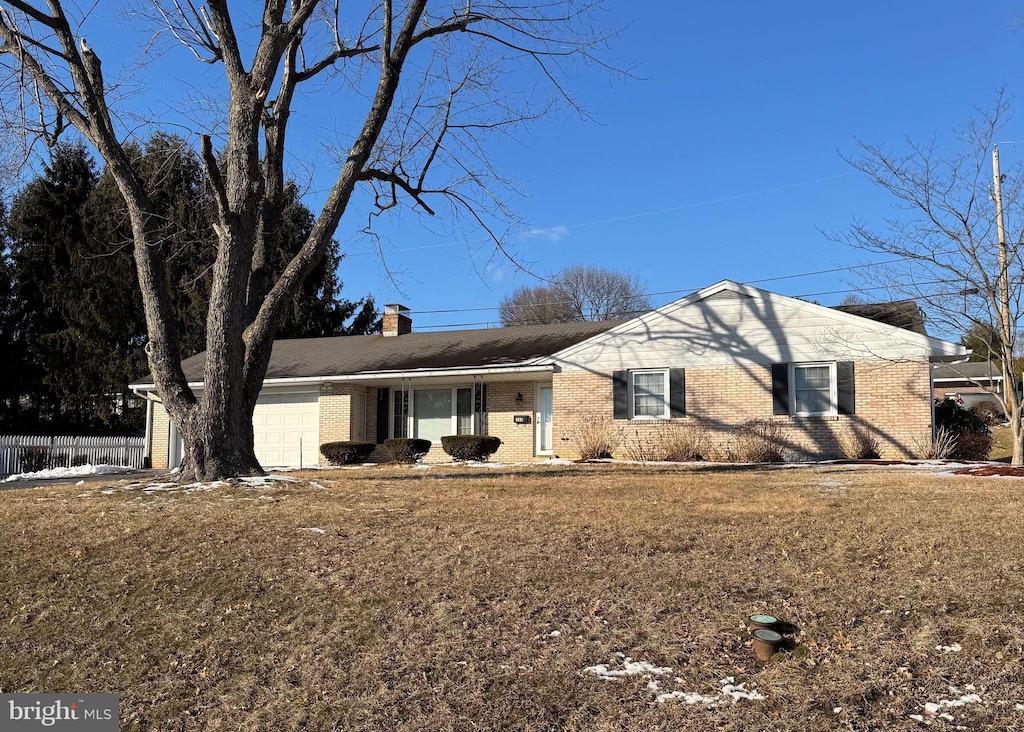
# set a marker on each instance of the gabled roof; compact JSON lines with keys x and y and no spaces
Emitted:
{"x":899,"y":314}
{"x":481,"y":348}
{"x":896,"y":325}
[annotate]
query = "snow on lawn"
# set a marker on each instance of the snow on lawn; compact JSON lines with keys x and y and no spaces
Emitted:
{"x":728,"y":689}
{"x":934,"y":710}
{"x":76,"y":472}
{"x":256,"y":481}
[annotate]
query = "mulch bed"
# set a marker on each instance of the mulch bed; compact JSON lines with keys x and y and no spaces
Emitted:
{"x":1010,"y":471}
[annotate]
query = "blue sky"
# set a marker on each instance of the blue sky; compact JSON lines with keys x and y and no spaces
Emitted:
{"x":722,"y":160}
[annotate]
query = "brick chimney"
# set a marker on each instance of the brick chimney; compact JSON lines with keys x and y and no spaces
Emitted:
{"x":396,"y":320}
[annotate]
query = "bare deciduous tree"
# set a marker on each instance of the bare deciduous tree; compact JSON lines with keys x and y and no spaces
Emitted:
{"x":428,"y":75}
{"x":578,"y":293}
{"x":945,"y":242}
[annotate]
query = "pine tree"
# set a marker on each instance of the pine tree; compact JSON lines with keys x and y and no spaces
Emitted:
{"x":46,"y":232}
{"x":76,"y":328}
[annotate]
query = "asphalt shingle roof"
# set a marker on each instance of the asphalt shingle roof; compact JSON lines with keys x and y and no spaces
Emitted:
{"x":308,"y":357}
{"x":967,"y":371}
{"x":904,"y":314}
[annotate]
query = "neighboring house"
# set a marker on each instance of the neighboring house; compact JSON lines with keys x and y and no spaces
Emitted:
{"x":724,"y":355}
{"x":978,"y":377}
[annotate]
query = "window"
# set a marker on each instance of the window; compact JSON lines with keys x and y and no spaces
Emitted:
{"x":430,"y":414}
{"x":649,"y":394}
{"x":813,"y":389}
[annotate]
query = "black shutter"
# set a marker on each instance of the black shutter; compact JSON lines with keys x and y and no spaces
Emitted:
{"x":677,"y":392}
{"x":847,"y":393}
{"x":780,"y":388}
{"x":620,"y":395}
{"x":383,"y":396}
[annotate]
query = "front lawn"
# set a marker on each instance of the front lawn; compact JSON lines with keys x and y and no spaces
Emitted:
{"x":387,"y":598}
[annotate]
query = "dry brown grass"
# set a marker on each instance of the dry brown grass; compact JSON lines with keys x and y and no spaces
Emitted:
{"x":1002,"y":444}
{"x":429,"y":601}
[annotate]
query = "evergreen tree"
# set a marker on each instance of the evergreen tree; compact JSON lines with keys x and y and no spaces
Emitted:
{"x":76,"y":325}
{"x":9,"y":402}
{"x":46,"y":232}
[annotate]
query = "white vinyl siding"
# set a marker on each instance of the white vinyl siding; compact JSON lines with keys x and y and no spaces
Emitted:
{"x":729,"y":328}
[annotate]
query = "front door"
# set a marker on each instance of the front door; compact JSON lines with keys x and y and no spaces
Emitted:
{"x":543,"y":419}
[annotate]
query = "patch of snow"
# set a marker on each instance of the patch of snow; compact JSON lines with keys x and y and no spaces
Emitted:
{"x":555,"y":633}
{"x":952,"y":648}
{"x":737,"y":691}
{"x":313,"y":529}
{"x":629,"y":668}
{"x":837,"y":710}
{"x":76,"y":472}
{"x":728,"y":689}
{"x":936,"y":710}
{"x":556,"y":461}
{"x":177,"y":487}
{"x":1019,"y":707}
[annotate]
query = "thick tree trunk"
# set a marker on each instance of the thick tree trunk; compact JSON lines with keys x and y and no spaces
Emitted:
{"x":217,"y":441}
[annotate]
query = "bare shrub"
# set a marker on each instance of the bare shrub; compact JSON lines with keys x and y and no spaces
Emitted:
{"x":759,"y":441}
{"x":672,"y":442}
{"x":684,"y":443}
{"x":935,"y":447}
{"x":859,"y":445}
{"x":643,"y":447}
{"x":594,"y":438}
{"x":972,"y":446}
{"x":989,"y":413}
{"x":724,"y":453}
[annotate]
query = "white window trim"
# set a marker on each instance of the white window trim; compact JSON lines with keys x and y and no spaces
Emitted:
{"x":410,"y":417}
{"x":833,"y":381}
{"x":666,"y":397}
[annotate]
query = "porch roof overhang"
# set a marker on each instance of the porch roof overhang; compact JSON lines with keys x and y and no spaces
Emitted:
{"x":509,"y":372}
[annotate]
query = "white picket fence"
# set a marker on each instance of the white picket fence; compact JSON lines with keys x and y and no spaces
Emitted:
{"x":63,"y":451}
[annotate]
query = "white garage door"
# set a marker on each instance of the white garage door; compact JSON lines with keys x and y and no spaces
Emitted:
{"x":286,"y":430}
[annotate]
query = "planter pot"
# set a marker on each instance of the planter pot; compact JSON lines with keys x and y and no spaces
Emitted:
{"x":762,"y":621}
{"x":766,"y":643}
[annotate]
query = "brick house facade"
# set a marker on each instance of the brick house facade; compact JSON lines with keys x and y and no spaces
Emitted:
{"x":725,"y":355}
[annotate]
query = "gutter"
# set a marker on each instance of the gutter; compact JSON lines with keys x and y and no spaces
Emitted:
{"x":378,"y":375}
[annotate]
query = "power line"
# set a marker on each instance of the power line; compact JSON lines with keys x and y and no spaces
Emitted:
{"x":540,"y":231}
{"x":489,"y":323}
{"x":685,"y":290}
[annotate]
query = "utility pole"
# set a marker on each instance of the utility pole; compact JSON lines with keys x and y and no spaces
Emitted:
{"x":1007,"y":326}
{"x":1004,"y":275}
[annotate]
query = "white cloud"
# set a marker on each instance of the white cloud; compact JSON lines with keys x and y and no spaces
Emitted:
{"x":552,"y":234}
